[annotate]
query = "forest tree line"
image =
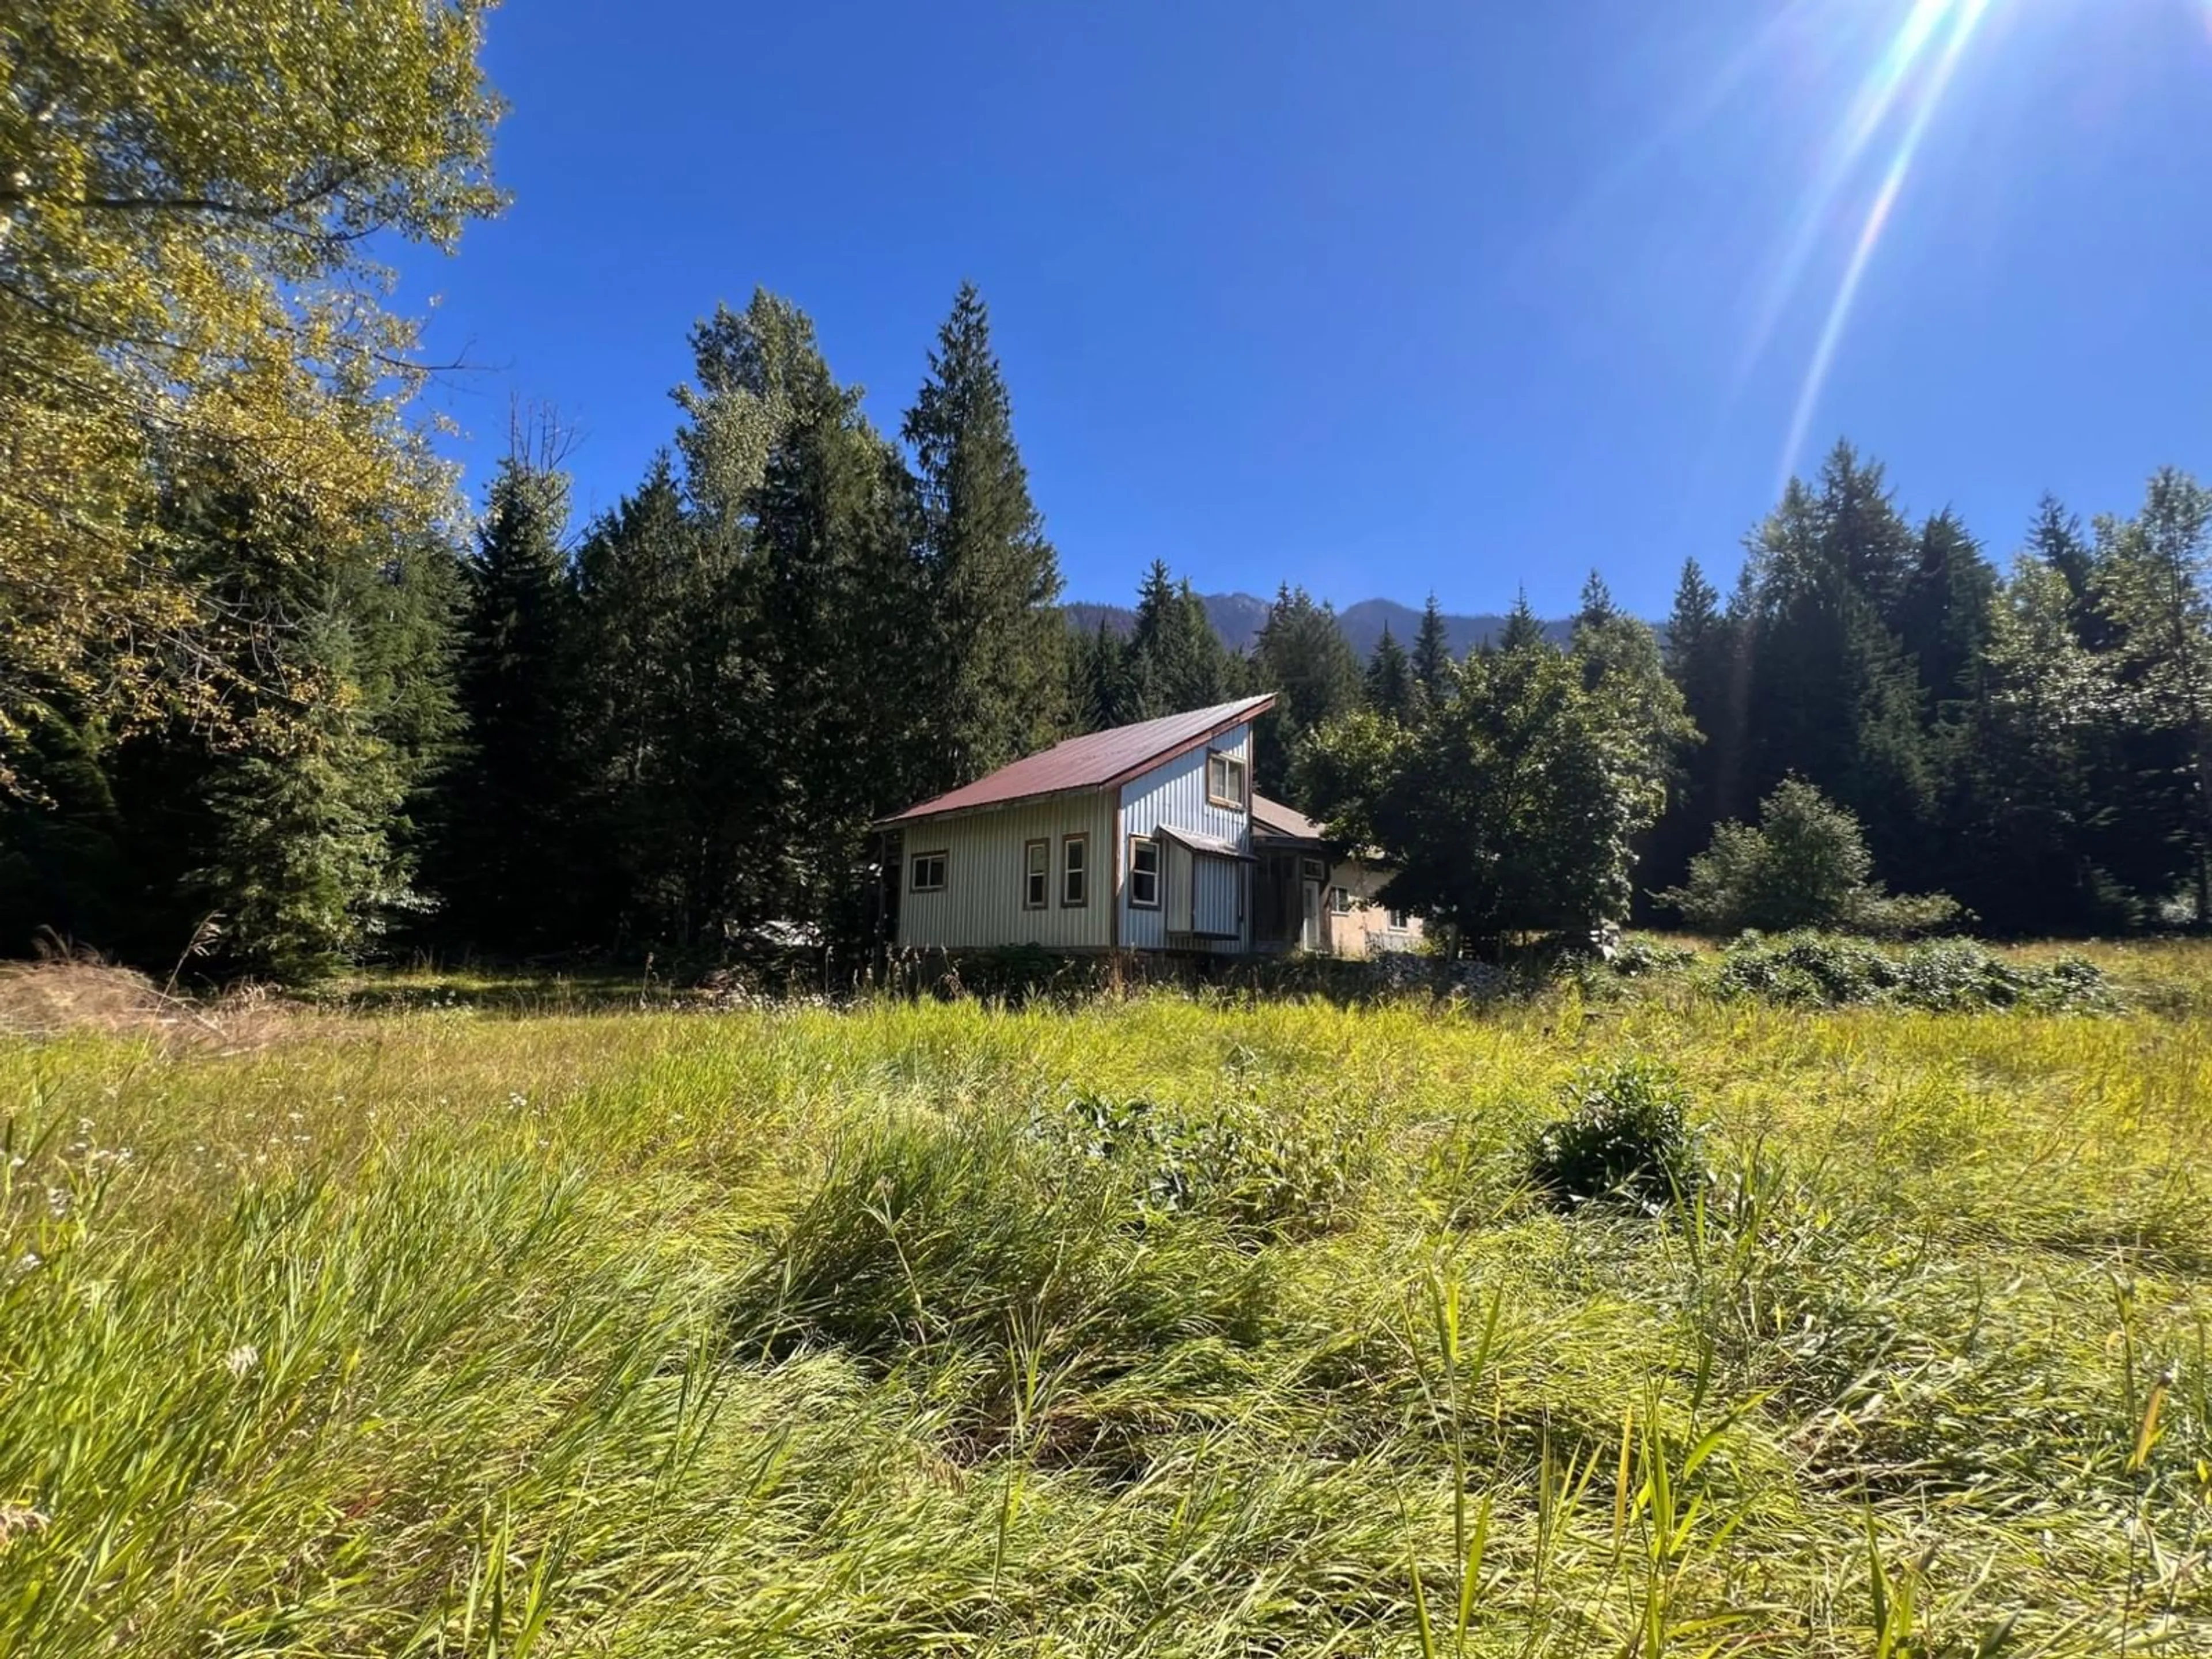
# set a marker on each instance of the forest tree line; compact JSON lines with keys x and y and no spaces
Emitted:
{"x":671,"y":728}
{"x":269,"y":695}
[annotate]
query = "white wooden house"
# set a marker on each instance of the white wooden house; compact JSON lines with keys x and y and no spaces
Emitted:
{"x":1139,"y":839}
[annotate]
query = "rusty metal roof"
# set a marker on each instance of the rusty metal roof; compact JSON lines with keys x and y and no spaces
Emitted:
{"x":1100,"y":761}
{"x":1271,"y":818}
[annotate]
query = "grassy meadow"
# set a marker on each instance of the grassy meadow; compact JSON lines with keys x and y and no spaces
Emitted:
{"x":468,"y":1327}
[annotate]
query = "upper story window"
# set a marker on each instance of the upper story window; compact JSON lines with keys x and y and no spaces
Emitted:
{"x":1074,"y":871}
{"x":928,"y":873}
{"x":1144,"y":873}
{"x":1225,"y":780}
{"x":1037,"y":874}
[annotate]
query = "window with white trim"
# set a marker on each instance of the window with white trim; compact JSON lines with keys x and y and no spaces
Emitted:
{"x":928,"y":873}
{"x":1225,"y":780}
{"x":1074,"y":872}
{"x":1402,"y":920}
{"x":1037,"y":874}
{"x":1144,"y":873}
{"x":1340,"y":900}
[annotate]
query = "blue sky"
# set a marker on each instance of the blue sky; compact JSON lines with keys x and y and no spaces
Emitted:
{"x":1384,"y":299}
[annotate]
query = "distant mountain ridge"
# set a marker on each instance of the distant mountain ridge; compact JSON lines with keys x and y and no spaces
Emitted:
{"x":1238,"y":618}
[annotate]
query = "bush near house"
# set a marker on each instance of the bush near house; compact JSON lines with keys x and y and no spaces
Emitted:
{"x":1806,"y":865}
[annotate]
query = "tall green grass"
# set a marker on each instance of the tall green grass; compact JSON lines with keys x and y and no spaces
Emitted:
{"x":1175,"y":1327}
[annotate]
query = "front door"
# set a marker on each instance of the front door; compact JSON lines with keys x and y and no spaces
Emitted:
{"x":1310,"y":927}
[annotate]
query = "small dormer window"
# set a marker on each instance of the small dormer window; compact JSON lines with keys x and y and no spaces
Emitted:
{"x":1224,"y":780}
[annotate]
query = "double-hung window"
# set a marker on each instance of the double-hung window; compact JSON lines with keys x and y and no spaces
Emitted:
{"x":1074,"y":872}
{"x":1340,"y":900}
{"x":1144,"y":873}
{"x":1225,"y":780}
{"x":1037,"y":874}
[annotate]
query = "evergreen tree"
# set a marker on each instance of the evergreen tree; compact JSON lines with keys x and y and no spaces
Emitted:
{"x":842,"y":609}
{"x":2031,"y":853}
{"x":505,"y":867}
{"x":2156,"y":583}
{"x":1432,"y":655}
{"x":1945,"y":609}
{"x":1303,"y":657}
{"x":305,"y":875}
{"x":1703,"y":661}
{"x":1522,"y":632}
{"x":2055,"y":540}
{"x":743,"y":626}
{"x":64,"y":867}
{"x":1389,"y":682}
{"x":991,"y":577}
{"x":1832,"y":695}
{"x":1176,"y":660}
{"x":1100,"y":689}
{"x":404,"y":612}
{"x":302,"y":833}
{"x":648,"y":597}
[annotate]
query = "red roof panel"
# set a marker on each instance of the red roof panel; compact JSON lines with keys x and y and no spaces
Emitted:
{"x":1093,"y":761}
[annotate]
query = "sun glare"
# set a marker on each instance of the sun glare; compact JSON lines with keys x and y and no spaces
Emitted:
{"x":1914,"y":73}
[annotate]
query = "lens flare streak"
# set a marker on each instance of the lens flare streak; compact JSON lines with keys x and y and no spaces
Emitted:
{"x":1888,"y":85}
{"x":1869,"y":110}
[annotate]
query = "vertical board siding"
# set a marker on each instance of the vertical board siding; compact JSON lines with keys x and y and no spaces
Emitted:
{"x":1215,"y":908}
{"x":981,"y":907}
{"x":1174,"y":794}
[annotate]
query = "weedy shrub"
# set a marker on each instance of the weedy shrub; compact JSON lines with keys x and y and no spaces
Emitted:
{"x":1820,"y":970}
{"x":1806,"y":864}
{"x":1626,"y":1137}
{"x":1635,"y":957}
{"x":1261,"y":1174}
{"x":923,"y":1234}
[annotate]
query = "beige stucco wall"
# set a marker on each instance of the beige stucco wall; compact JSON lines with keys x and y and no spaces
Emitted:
{"x":1365,"y":929}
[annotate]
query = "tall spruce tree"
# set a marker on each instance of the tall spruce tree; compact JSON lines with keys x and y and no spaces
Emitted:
{"x":2029,"y":854}
{"x":1833,"y":695}
{"x":506,"y":865}
{"x":1303,"y":657}
{"x":304,"y":874}
{"x":795,"y":596}
{"x":1176,"y":661}
{"x":1432,"y":654}
{"x":1387,"y":683}
{"x":1943,"y":614}
{"x":1099,"y":690}
{"x":1523,"y":631}
{"x":997,"y":672}
{"x":640,"y":599}
{"x":1702,"y":660}
{"x":2055,"y":538}
{"x":2156,"y":582}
